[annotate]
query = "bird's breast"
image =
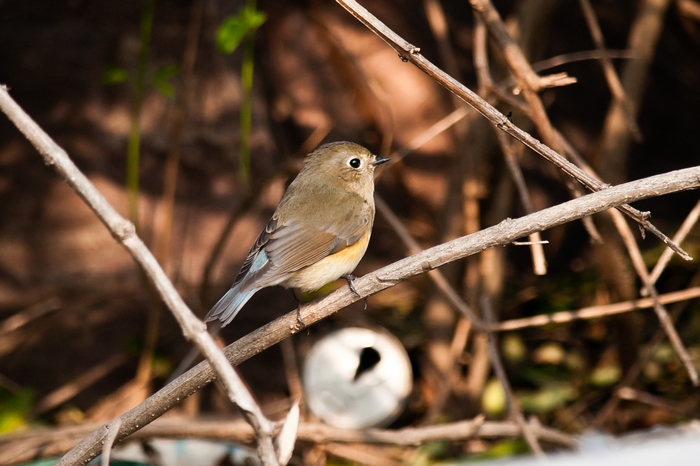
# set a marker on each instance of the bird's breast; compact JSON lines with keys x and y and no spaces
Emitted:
{"x":330,"y":268}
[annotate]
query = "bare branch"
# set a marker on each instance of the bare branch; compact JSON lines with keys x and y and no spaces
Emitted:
{"x":499,"y":370}
{"x":435,"y":275}
{"x":31,"y":444}
{"x":594,"y":312}
{"x":112,"y":431}
{"x":611,"y":76}
{"x":123,"y":231}
{"x":678,"y":238}
{"x":481,"y":64}
{"x":409,"y":52}
{"x":641,"y":269}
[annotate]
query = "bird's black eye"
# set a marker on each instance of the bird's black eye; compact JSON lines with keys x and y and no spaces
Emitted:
{"x":355,"y":163}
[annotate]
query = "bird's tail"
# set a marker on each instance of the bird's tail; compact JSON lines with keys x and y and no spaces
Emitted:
{"x":229,"y":305}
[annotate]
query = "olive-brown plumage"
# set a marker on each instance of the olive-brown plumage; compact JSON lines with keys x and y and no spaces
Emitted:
{"x":319,"y":231}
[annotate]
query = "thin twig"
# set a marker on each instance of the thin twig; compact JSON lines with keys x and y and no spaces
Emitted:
{"x":688,"y":224}
{"x":460,"y":338}
{"x":643,"y":37}
{"x":500,"y":372}
{"x":29,"y":314}
{"x":629,"y":393}
{"x":642,"y":357}
{"x":78,"y":384}
{"x":641,"y":269}
{"x":435,"y":275}
{"x":437,"y":128}
{"x":45,"y":442}
{"x":611,"y":76}
{"x":124,"y":232}
{"x":291,"y":370}
{"x":539,"y":263}
{"x":112,"y":431}
{"x":573,"y":57}
{"x":409,"y":52}
{"x":594,"y":312}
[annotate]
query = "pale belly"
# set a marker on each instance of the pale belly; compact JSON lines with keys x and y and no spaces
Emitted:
{"x":329,"y":268}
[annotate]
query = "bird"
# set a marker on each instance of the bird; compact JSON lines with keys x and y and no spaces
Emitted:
{"x":318,"y":233}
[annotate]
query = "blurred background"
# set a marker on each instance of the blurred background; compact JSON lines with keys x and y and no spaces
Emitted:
{"x":191,"y":116}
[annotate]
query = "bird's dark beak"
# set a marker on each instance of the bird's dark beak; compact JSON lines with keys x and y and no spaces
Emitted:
{"x":380,"y":160}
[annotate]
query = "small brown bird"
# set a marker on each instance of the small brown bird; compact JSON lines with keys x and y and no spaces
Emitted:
{"x":318,"y":233}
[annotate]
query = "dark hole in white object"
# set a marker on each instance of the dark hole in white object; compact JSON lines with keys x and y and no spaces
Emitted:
{"x":369,"y":357}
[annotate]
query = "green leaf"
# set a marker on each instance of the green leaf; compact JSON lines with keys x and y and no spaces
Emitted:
{"x":14,"y":408}
{"x":235,"y":28}
{"x":114,"y":75}
{"x":161,"y":80}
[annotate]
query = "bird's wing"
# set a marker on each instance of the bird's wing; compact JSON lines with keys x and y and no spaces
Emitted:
{"x":255,"y":249}
{"x":293,"y":245}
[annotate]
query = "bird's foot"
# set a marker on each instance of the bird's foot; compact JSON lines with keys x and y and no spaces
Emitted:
{"x":350,"y":279}
{"x":299,"y":319}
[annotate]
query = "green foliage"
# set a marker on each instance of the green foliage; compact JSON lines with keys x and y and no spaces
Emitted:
{"x":235,"y":28}
{"x":428,"y":452}
{"x":14,"y":408}
{"x":115,"y":75}
{"x":504,"y":449}
{"x":228,"y":37}
{"x":161,"y":80}
{"x":548,"y":398}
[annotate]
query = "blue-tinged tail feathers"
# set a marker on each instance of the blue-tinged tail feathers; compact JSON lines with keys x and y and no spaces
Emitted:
{"x":229,"y":305}
{"x":234,"y":299}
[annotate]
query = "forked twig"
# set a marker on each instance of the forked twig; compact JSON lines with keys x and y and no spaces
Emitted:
{"x":112,"y":431}
{"x":409,"y":52}
{"x":539,"y":263}
{"x":641,"y":269}
{"x":690,"y":220}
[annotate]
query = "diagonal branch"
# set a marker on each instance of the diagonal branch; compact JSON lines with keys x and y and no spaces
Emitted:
{"x":611,"y":76}
{"x":408,"y":52}
{"x":124,"y":232}
{"x":500,"y":371}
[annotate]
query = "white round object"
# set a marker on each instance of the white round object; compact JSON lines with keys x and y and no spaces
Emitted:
{"x":357,"y":377}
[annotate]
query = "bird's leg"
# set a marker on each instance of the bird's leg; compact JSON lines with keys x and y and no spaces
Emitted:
{"x":350,"y":278}
{"x":301,"y":322}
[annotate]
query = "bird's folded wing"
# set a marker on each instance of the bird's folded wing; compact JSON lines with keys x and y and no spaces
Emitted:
{"x":262,"y":240}
{"x":293,"y":246}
